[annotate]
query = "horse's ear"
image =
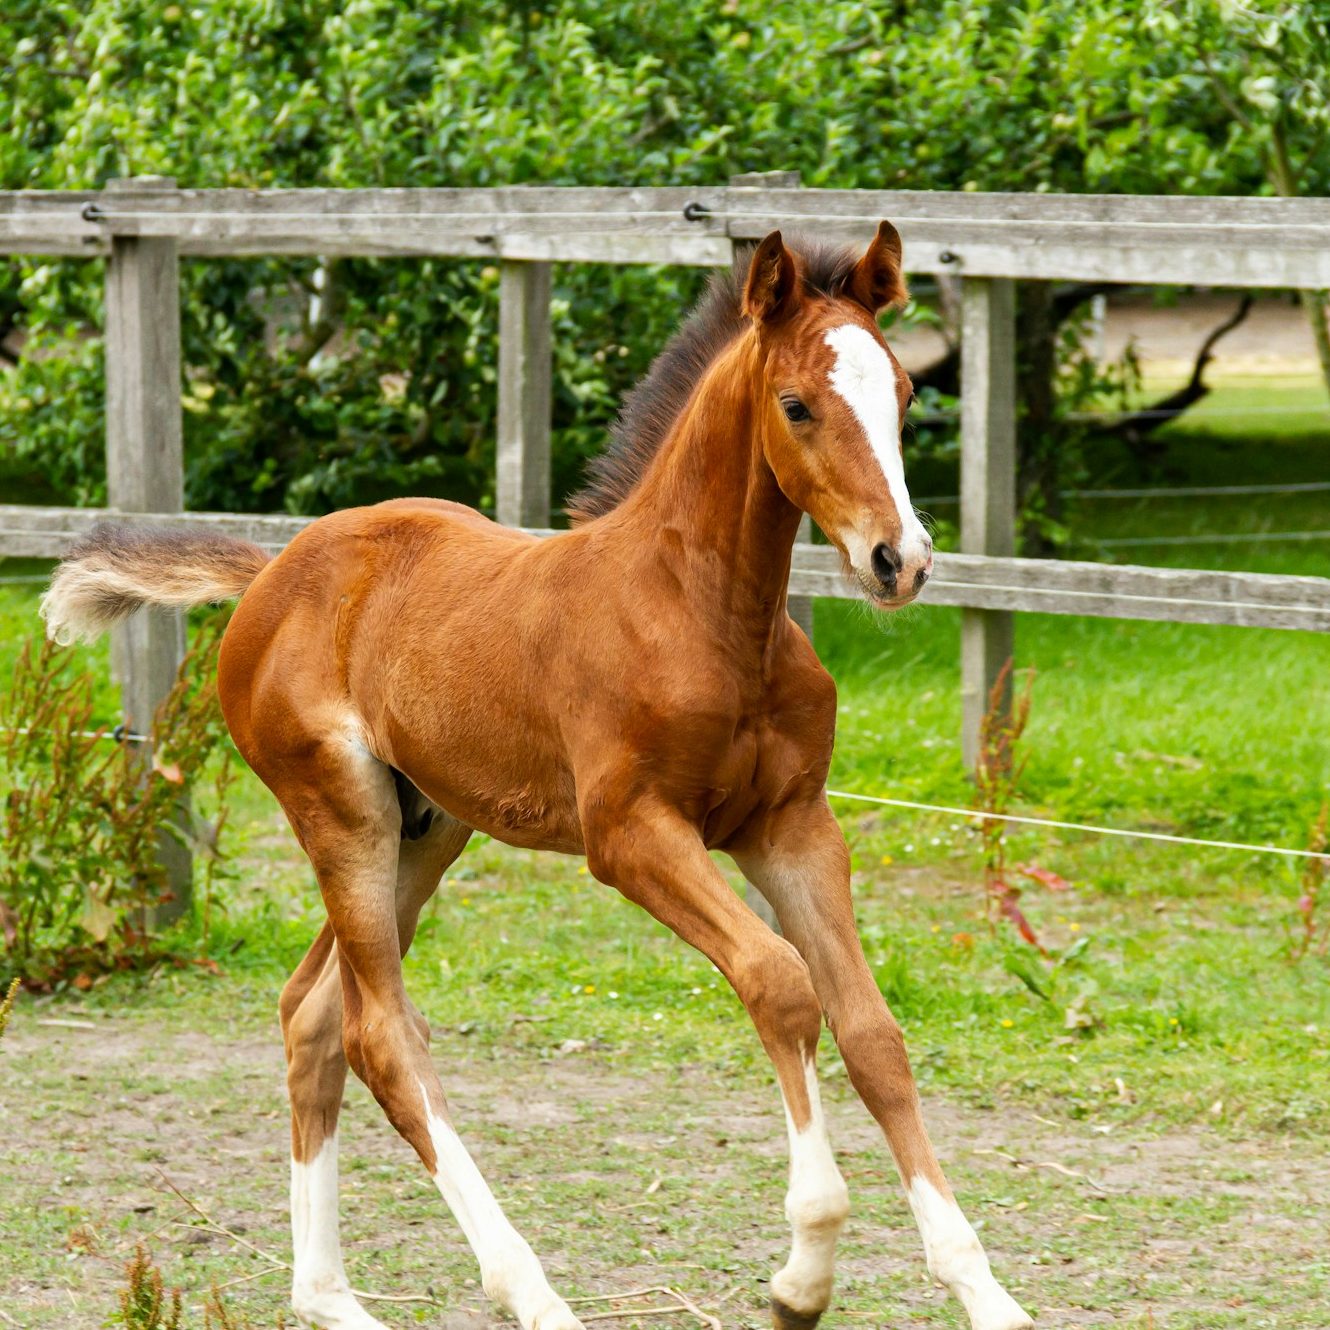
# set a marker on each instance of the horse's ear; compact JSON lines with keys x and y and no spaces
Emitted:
{"x":876,"y":280}
{"x":773,"y":281}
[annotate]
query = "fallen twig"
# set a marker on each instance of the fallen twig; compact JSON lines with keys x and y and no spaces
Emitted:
{"x":1067,"y":1172}
{"x":225,"y":1232}
{"x":1042,"y":1163}
{"x":711,"y":1321}
{"x":245,"y":1279}
{"x":276,"y":1262}
{"x":674,"y":1309}
{"x":618,"y":1297}
{"x":685,"y":1304}
{"x":395,"y":1297}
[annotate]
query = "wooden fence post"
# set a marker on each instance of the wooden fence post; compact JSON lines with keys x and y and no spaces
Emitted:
{"x":522,"y":479}
{"x":800,"y":607}
{"x":988,"y":481}
{"x":145,"y":463}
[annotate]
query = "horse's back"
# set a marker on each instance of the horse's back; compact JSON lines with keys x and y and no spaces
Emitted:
{"x":418,"y":625}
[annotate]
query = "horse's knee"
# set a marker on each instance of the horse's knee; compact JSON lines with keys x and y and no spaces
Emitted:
{"x":778,"y":991}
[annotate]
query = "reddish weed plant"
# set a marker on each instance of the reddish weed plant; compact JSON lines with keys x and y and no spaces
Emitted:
{"x":146,"y":1305}
{"x":81,"y":816}
{"x":144,"y":1302}
{"x":997,"y":778}
{"x":1311,"y":933}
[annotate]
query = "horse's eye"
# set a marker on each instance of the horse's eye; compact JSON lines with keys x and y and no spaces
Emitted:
{"x":795,"y":410}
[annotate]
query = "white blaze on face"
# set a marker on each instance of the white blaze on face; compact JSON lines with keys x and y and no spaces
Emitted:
{"x":956,"y":1259}
{"x":509,"y":1270}
{"x":865,"y":378}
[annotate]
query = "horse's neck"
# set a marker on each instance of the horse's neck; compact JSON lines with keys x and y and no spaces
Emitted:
{"x":710,"y":507}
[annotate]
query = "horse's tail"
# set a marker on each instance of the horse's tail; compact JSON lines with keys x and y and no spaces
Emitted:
{"x":114,"y":570}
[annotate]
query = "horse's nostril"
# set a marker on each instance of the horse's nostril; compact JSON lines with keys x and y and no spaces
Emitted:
{"x":886,"y":564}
{"x":922,"y":575}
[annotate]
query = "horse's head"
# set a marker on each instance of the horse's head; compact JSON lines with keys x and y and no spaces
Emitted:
{"x":834,"y":399}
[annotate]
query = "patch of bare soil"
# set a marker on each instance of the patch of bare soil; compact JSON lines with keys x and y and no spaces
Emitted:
{"x":619,"y":1181}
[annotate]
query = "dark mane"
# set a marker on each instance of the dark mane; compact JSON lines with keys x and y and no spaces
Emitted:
{"x":653,"y":405}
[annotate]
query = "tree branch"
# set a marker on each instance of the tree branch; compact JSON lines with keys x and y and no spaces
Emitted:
{"x":1138,"y":424}
{"x":944,"y":374}
{"x":1224,"y":96}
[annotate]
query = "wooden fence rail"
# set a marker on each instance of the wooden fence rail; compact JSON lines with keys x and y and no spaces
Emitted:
{"x":971,"y":581}
{"x":141,"y":228}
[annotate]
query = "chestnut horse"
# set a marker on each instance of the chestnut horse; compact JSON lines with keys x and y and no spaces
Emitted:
{"x":632,"y":690}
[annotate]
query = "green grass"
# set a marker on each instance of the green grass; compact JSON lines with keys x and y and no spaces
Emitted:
{"x":1231,"y":438}
{"x":1194,"y":730}
{"x":1201,"y":1029}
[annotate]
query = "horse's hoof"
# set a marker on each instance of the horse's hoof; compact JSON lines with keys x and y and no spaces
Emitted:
{"x":786,"y":1318}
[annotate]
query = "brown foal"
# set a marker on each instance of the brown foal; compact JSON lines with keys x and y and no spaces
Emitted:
{"x":632,"y":689}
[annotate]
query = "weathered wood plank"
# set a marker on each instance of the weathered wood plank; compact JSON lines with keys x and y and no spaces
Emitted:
{"x":1051,"y":586}
{"x":1042,"y":586}
{"x":145,"y":468}
{"x":1171,"y":605}
{"x":988,"y":483}
{"x":799,"y":607}
{"x":1192,"y":210}
{"x":31,"y":532}
{"x":522,"y":482}
{"x":1215,"y":241}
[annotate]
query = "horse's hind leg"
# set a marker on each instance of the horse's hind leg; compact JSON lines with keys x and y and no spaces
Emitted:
{"x":311,"y":1010}
{"x":345,"y":810}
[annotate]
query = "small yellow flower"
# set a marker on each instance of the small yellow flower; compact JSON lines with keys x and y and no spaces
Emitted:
{"x":1172,"y":1020}
{"x":590,"y":988}
{"x":466,"y":900}
{"x":1007,"y":1022}
{"x":886,"y":859}
{"x":937,"y":928}
{"x":1075,"y":928}
{"x":583,"y":871}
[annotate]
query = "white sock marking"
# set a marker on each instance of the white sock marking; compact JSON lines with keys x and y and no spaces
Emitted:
{"x":865,"y":377}
{"x":956,"y":1258}
{"x":816,"y":1205}
{"x":509,"y":1270}
{"x":320,"y":1293}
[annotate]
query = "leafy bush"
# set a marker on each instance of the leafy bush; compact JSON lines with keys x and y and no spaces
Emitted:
{"x":81,"y":816}
{"x":390,"y":388}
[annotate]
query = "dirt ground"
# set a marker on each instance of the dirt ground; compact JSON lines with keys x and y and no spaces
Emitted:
{"x":619,"y":1181}
{"x":1274,"y":338}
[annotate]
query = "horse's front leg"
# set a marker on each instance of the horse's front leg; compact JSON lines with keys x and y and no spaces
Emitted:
{"x":799,"y":861}
{"x":658,"y":860}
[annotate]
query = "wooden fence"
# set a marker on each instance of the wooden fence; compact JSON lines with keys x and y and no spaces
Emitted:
{"x":142,"y":227}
